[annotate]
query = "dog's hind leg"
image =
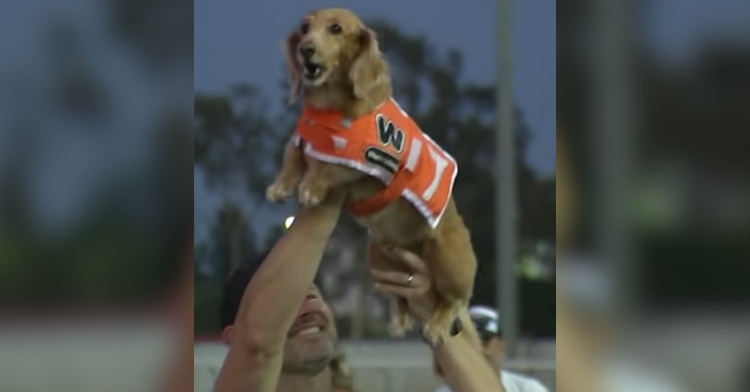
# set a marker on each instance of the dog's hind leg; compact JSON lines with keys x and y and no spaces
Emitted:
{"x":453,"y":264}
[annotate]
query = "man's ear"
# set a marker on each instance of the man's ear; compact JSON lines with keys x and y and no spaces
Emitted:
{"x":227,"y":335}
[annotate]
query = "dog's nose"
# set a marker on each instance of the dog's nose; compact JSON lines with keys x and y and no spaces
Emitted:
{"x":307,"y":50}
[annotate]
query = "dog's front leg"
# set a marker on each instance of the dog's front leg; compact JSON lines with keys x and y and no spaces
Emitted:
{"x":320,"y":178}
{"x":292,"y":169}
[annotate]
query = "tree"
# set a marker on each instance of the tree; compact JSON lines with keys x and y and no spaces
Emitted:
{"x":232,"y":239}
{"x":115,"y":246}
{"x":235,"y":142}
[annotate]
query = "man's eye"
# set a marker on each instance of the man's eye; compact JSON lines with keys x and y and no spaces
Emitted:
{"x":335,"y":28}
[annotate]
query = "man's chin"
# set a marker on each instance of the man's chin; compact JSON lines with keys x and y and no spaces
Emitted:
{"x":309,"y":363}
{"x":308,"y":354}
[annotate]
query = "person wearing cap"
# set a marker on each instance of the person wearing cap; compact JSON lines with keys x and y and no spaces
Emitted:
{"x":281,"y":333}
{"x":487,"y":322}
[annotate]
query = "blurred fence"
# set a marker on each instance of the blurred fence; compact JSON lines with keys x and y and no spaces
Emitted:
{"x":391,"y":366}
{"x":114,"y":354}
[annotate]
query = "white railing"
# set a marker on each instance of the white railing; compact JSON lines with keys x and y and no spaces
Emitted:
{"x":390,"y":366}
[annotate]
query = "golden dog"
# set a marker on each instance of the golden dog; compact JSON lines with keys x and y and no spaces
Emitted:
{"x":335,"y":64}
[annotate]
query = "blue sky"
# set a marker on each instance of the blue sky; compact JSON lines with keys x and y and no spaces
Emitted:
{"x":238,"y":40}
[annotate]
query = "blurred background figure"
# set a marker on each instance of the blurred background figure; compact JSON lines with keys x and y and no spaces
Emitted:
{"x":487,"y":322}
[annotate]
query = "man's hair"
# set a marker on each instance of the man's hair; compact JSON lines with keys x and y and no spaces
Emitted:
{"x":235,"y":287}
{"x":341,"y":376}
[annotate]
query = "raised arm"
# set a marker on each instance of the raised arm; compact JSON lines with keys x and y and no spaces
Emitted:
{"x":462,"y":365}
{"x":272,"y":299}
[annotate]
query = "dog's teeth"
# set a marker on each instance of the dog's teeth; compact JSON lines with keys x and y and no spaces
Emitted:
{"x":313,"y":70}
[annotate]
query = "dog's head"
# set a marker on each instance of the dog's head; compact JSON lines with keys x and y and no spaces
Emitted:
{"x":333,"y":48}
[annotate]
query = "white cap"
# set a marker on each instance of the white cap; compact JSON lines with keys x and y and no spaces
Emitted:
{"x":485,"y":318}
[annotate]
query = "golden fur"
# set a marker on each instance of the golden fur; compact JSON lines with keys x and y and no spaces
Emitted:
{"x":355,"y":80}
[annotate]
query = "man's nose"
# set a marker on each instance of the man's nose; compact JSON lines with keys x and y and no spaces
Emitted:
{"x":305,"y":308}
{"x":307,"y":50}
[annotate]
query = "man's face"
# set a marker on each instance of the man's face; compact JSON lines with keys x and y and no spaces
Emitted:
{"x":310,"y":344}
{"x":493,"y":350}
{"x":312,"y":338}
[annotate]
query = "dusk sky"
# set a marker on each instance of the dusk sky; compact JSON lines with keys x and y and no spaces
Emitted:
{"x":240,"y":41}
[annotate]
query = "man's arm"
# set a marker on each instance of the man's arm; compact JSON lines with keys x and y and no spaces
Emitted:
{"x":463,"y":366}
{"x":272,"y":299}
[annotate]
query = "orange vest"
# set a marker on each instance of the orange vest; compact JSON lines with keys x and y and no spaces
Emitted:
{"x":387,"y":145}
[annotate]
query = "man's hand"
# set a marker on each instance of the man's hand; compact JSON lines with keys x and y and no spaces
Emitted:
{"x":417,"y":290}
{"x":462,"y":364}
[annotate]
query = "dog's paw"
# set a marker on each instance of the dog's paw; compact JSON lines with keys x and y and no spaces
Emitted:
{"x":276,"y":193}
{"x":397,"y":329}
{"x":438,"y":328}
{"x":435,"y":334}
{"x":401,"y":324}
{"x":310,"y":197}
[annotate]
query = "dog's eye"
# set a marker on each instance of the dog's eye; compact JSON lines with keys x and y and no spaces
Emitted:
{"x":304,"y":28}
{"x":335,"y":28}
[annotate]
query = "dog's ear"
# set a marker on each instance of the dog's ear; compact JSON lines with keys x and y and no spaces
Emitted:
{"x":294,"y":72}
{"x":369,"y":71}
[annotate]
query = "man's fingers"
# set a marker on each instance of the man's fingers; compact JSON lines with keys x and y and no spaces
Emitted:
{"x":392,"y":277}
{"x":414,"y":262}
{"x":418,"y":282}
{"x":408,"y":293}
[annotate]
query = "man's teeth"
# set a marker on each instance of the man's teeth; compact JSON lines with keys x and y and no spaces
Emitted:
{"x":309,"y":331}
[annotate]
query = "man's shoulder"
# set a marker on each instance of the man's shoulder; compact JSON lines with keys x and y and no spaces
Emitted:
{"x":513,"y":382}
{"x":516,"y":382}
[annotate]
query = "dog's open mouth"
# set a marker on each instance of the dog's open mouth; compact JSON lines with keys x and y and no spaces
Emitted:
{"x":312,"y":70}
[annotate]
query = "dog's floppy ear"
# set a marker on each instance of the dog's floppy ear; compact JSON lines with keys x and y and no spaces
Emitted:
{"x":294,"y":72}
{"x":368,"y":71}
